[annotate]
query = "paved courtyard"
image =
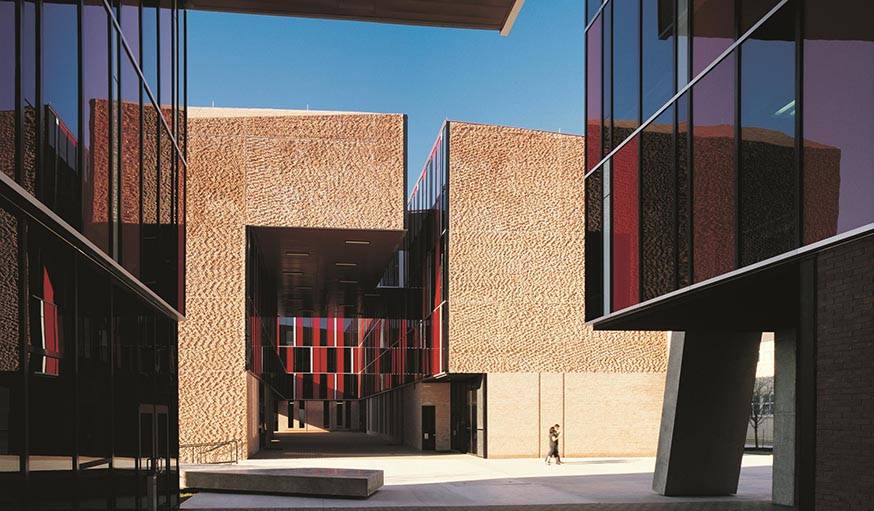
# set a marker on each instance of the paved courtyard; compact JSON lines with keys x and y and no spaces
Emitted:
{"x":461,"y":481}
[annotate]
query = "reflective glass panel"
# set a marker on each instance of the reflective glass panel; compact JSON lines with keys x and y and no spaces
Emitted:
{"x":11,"y":392}
{"x":130,"y":25}
{"x":94,"y":384}
{"x":29,"y":158}
{"x":713,"y":30}
{"x":658,"y":54}
{"x":7,"y":87}
{"x":150,"y":45}
{"x":593,"y":94}
{"x":768,"y":179}
{"x":753,"y":10}
{"x":51,"y":368}
{"x":626,"y":73}
{"x":684,"y":189}
{"x":59,"y":178}
{"x":625,"y":224}
{"x":166,"y":71}
{"x":594,"y":268}
{"x":592,"y":8}
{"x":129,"y":111}
{"x":607,"y":78}
{"x":838,"y":118}
{"x":657,"y":185}
{"x":95,"y":125}
{"x":713,"y":172}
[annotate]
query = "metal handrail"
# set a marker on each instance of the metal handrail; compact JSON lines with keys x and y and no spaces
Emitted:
{"x":205,"y":453}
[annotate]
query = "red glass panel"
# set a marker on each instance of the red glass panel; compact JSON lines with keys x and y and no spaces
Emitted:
{"x":625,"y":244}
{"x":593,"y":94}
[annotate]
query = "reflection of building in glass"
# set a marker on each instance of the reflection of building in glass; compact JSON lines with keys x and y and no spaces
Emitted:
{"x":88,"y":391}
{"x":738,"y":199}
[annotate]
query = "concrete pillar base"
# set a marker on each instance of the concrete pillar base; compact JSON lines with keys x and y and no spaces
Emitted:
{"x":706,"y":408}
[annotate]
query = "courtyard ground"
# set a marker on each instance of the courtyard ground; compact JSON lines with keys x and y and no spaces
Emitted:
{"x":414,"y":480}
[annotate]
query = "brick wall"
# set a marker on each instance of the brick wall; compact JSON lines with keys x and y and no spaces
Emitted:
{"x":516,"y":256}
{"x":845,"y":377}
{"x":266,"y":168}
{"x":601,"y":414}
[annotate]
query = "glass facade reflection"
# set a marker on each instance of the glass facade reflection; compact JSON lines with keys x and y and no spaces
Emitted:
{"x":763,"y":151}
{"x":88,"y":385}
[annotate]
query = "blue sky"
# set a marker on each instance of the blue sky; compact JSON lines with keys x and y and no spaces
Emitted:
{"x":533,"y":78}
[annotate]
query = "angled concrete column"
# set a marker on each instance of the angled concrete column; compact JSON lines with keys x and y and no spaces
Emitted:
{"x":706,"y":408}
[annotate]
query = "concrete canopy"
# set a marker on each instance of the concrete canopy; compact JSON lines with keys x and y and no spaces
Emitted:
{"x":483,"y":14}
{"x":322,"y":272}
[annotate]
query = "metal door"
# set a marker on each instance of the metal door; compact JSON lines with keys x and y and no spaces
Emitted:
{"x":429,"y":428}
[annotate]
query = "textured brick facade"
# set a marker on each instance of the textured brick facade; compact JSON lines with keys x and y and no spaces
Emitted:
{"x":516,"y":252}
{"x":844,"y":377}
{"x":266,"y":168}
{"x":601,"y":414}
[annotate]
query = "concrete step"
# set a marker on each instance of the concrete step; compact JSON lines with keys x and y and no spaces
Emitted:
{"x":319,"y":482}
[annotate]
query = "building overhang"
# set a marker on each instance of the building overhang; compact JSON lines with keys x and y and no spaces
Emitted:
{"x":762,"y":297}
{"x":496,"y":15}
{"x":329,"y":272}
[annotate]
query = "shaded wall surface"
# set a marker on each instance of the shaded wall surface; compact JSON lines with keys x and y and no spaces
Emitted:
{"x":844,"y":377}
{"x":266,"y":168}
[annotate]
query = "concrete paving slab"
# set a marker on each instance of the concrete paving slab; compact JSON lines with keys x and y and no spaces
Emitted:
{"x":463,"y":481}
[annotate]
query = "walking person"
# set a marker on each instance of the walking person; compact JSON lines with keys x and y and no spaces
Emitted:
{"x":554,"y":434}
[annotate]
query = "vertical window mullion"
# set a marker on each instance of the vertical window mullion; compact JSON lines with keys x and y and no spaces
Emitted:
{"x":799,"y":119}
{"x":640,"y":144}
{"x":39,"y":111}
{"x":738,"y":186}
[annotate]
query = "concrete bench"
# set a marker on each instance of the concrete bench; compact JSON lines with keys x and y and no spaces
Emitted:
{"x":322,"y":482}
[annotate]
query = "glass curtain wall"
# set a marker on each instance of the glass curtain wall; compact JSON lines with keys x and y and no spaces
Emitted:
{"x":757,"y":156}
{"x":88,"y":384}
{"x":84,"y":135}
{"x":88,"y":403}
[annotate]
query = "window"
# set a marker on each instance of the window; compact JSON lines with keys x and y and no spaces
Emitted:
{"x":302,"y":360}
{"x":713,"y":172}
{"x":713,"y":31}
{"x":593,"y":94}
{"x":768,"y":177}
{"x":594,"y":248}
{"x":838,"y":118}
{"x":626,"y":73}
{"x":7,"y":84}
{"x":657,"y":185}
{"x":591,"y":9}
{"x":684,"y":190}
{"x":95,"y":125}
{"x":658,"y":55}
{"x":59,"y":176}
{"x":12,"y":421}
{"x":625,"y":243}
{"x":607,"y":79}
{"x":129,"y":168}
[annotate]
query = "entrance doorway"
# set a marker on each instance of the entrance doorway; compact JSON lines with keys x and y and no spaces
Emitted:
{"x":153,"y":461}
{"x":429,"y":428}
{"x":467,"y":410}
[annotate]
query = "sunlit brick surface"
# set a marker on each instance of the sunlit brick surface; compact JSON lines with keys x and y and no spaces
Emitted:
{"x":516,"y":260}
{"x":266,"y":168}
